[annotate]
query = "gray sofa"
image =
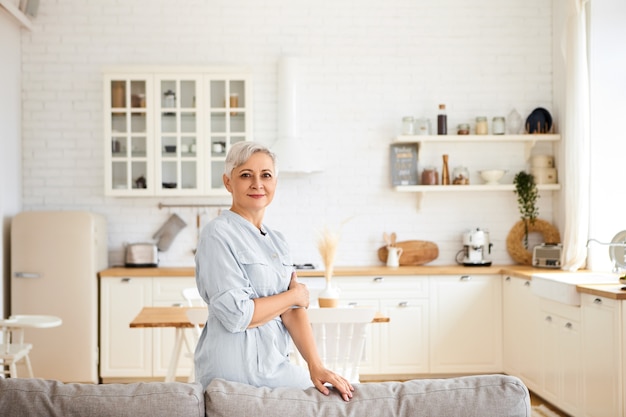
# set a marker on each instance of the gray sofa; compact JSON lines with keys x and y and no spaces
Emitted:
{"x":484,"y":396}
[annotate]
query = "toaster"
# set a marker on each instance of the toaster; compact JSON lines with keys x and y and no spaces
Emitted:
{"x":548,"y":255}
{"x":141,"y":255}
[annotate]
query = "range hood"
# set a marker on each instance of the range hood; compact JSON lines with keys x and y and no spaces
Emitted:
{"x":293,"y":153}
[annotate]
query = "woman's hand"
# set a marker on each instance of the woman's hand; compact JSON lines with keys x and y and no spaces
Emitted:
{"x":320,"y":376}
{"x":300,"y":291}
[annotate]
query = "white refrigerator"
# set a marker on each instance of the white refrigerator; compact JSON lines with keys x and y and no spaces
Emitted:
{"x":55,"y":260}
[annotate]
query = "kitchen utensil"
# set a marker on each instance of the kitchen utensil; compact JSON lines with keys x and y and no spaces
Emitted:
{"x":393,"y":238}
{"x":544,"y":175}
{"x":514,"y":122}
{"x":542,"y":161}
{"x":476,"y":247}
{"x":168,"y":232}
{"x":414,"y":252}
{"x":539,"y":121}
{"x":492,"y":176}
{"x":393,"y":256}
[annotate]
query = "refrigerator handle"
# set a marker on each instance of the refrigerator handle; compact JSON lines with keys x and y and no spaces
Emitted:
{"x":26,"y":275}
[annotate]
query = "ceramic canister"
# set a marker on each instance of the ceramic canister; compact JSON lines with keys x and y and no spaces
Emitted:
{"x":542,"y":161}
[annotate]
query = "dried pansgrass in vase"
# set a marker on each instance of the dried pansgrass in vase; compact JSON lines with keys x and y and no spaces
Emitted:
{"x":327,"y":246}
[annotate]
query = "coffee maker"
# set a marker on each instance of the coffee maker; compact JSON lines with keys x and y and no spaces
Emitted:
{"x":476,"y":248}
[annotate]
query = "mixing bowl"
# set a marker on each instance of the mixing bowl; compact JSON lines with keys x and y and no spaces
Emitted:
{"x":492,"y":176}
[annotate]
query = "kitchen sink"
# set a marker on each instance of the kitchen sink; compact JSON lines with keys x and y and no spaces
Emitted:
{"x":561,"y":287}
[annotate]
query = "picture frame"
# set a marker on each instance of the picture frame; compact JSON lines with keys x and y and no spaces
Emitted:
{"x":403,"y":163}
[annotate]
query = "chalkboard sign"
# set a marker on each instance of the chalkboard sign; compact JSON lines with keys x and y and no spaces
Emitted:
{"x":403,"y":163}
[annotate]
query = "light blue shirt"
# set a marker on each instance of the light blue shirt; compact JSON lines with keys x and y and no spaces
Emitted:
{"x":235,"y":263}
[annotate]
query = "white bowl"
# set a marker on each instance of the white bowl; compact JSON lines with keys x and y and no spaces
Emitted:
{"x":492,"y":176}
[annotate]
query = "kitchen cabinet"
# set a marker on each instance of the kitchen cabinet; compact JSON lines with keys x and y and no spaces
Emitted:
{"x":167,"y":130}
{"x":468,"y":150}
{"x":124,"y":351}
{"x":521,"y":340}
{"x":133,"y":352}
{"x":601,"y":354}
{"x":465,"y":324}
{"x":561,"y":346}
{"x":400,"y":346}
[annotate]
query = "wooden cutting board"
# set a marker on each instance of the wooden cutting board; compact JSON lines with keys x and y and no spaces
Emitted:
{"x":414,"y":252}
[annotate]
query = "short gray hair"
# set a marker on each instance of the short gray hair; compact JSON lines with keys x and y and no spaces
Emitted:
{"x":240,"y":152}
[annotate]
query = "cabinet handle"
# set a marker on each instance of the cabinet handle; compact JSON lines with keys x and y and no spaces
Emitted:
{"x":527,"y":283}
{"x":353,"y":304}
{"x":549,"y":319}
{"x":507,"y":279}
{"x":597,"y":301}
{"x":177,"y":304}
{"x":568,"y":325}
{"x":403,"y":304}
{"x":465,"y":278}
{"x":125,"y":280}
{"x":379,"y":279}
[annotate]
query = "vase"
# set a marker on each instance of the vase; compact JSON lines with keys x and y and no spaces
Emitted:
{"x":329,"y":297}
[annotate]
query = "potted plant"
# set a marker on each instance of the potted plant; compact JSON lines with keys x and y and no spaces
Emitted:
{"x":527,"y":195}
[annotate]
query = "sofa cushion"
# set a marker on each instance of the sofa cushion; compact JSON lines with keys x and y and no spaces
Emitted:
{"x":37,"y":397}
{"x":480,"y":396}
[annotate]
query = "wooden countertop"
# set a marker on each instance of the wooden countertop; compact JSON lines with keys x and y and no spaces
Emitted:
{"x":613,"y":291}
{"x":346,"y":271}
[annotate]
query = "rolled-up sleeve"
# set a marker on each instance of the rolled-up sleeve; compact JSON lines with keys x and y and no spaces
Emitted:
{"x":223,"y":284}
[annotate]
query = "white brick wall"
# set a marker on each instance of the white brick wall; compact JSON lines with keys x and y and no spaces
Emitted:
{"x":365,"y":64}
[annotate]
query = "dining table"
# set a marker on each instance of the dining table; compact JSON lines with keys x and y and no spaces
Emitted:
{"x":176,"y":316}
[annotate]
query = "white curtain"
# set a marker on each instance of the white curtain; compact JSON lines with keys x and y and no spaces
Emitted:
{"x":576,"y":136}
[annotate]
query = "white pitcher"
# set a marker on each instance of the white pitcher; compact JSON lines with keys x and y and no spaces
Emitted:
{"x":393,"y":256}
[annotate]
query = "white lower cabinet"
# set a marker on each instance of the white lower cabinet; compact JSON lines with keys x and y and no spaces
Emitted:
{"x":124,"y":351}
{"x":133,"y":352}
{"x":601,"y":354}
{"x":465,"y":324}
{"x":521,"y":328}
{"x":400,"y":346}
{"x":404,"y":340}
{"x":561,"y":346}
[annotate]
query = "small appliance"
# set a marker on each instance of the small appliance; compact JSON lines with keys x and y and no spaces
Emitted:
{"x":141,"y":255}
{"x":547,"y":255}
{"x":476,"y":248}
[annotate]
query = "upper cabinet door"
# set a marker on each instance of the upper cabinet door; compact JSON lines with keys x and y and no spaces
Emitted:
{"x":128,"y":132}
{"x":178,"y":133}
{"x":228,"y":121}
{"x":167,"y":131}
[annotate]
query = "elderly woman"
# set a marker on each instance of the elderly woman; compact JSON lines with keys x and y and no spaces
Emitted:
{"x":256,"y":305}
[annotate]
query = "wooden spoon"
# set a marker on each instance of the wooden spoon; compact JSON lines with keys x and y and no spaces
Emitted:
{"x":393,"y":239}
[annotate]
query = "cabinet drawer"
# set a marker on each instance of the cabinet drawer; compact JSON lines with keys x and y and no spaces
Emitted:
{"x":413,"y":286}
{"x":588,"y":300}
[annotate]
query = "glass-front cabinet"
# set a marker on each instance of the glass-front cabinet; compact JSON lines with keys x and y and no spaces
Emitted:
{"x":167,"y":131}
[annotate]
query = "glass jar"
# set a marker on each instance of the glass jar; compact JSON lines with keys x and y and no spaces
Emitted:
{"x":482,"y":127}
{"x":463,"y":129}
{"x":460,"y":176}
{"x":498,"y":125}
{"x":407,"y":125}
{"x":430,"y":176}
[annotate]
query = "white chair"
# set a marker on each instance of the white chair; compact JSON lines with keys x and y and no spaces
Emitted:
{"x":198,"y":318}
{"x":13,"y":349}
{"x":340,"y":335}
